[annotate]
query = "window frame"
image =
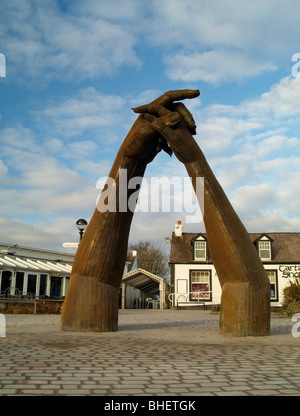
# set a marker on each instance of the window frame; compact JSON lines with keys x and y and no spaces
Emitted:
{"x":260,"y":249}
{"x":200,"y":249}
{"x":203,"y":299}
{"x":275,"y":298}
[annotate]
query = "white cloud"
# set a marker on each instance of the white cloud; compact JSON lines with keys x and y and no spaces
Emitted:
{"x":42,"y":40}
{"x":224,"y":41}
{"x":282,"y":101}
{"x":88,"y":110}
{"x":18,"y":138}
{"x":215,"y":66}
{"x":271,"y":221}
{"x":255,"y":124}
{"x":253,"y":149}
{"x":86,"y":40}
{"x":269,"y":29}
{"x":3,"y":171}
{"x":44,"y":234}
{"x":36,"y":184}
{"x":117,"y":10}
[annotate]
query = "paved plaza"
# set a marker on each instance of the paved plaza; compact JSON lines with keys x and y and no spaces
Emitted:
{"x":154,"y":353}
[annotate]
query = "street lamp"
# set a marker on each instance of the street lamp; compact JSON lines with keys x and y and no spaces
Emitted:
{"x":81,"y":224}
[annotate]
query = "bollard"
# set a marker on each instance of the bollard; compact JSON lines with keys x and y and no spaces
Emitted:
{"x":2,"y":326}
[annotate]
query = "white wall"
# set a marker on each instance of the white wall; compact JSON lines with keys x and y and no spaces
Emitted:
{"x":285,"y":273}
{"x":182,"y":281}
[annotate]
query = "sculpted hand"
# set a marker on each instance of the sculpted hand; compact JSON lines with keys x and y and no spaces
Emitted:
{"x":180,"y":139}
{"x":147,"y":143}
{"x":166,"y":104}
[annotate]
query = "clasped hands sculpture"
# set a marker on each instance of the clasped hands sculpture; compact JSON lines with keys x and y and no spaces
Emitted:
{"x":92,"y":300}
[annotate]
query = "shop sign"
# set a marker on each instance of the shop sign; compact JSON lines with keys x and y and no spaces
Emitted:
{"x":290,"y":272}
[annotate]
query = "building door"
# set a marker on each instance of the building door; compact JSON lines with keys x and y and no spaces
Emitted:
{"x":31,"y":283}
{"x":6,"y":280}
{"x":43,"y":284}
{"x":181,"y":286}
{"x":20,"y":281}
{"x":55,"y":287}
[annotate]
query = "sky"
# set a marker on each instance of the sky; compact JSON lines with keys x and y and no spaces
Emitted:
{"x":70,"y":72}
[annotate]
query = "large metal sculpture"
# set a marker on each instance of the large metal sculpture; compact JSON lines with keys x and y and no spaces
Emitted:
{"x":92,"y":300}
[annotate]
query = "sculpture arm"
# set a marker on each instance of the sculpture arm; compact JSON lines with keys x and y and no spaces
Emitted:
{"x":102,"y":251}
{"x":225,"y":231}
{"x":245,"y":302}
{"x":92,"y":298}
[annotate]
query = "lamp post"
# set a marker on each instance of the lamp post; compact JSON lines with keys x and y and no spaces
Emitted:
{"x":81,"y":224}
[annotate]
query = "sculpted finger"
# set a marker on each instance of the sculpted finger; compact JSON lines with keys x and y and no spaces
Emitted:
{"x":170,"y":119}
{"x":146,"y":108}
{"x":166,"y":100}
{"x":167,"y":121}
{"x":163,"y":145}
{"x":159,"y":125}
{"x":166,"y":147}
{"x":186,"y":115}
{"x":175,"y":95}
{"x":178,"y":95}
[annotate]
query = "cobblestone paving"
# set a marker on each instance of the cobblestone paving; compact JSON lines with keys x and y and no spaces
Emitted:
{"x":154,"y":353}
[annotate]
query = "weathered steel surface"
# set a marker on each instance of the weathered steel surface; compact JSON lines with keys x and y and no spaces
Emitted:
{"x":245,"y":301}
{"x":92,"y":299}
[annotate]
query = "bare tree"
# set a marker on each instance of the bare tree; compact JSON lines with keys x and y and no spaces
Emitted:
{"x":150,"y":257}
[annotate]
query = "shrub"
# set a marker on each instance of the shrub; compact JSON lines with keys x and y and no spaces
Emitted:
{"x":291,"y":298}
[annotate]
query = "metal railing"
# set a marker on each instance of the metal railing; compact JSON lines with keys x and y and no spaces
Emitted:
{"x":178,"y":299}
{"x":13,"y":294}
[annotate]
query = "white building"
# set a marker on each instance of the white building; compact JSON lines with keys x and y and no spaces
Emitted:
{"x":141,"y":289}
{"x":44,"y":273}
{"x":194,"y":279}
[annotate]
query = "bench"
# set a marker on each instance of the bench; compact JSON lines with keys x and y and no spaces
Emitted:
{"x":184,"y":300}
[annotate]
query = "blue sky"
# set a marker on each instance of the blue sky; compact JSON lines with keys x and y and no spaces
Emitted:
{"x":73,"y":71}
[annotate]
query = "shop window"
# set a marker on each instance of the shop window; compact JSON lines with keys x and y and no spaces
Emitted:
{"x":55,"y":287}
{"x":199,"y":250}
{"x":5,"y":280}
{"x":272,"y":275}
{"x":200,"y":285}
{"x":31,"y":283}
{"x":20,"y":281}
{"x":43,"y":284}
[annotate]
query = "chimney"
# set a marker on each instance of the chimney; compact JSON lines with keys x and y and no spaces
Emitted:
{"x":178,"y":229}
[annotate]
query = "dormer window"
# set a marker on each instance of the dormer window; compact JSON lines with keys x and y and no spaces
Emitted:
{"x":200,"y":250}
{"x":200,"y":247}
{"x":264,"y":247}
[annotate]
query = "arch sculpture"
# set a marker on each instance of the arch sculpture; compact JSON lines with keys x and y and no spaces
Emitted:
{"x":92,"y":300}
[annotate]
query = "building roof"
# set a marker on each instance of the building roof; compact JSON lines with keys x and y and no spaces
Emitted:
{"x":144,"y":280}
{"x":285,"y":247}
{"x":13,"y":256}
